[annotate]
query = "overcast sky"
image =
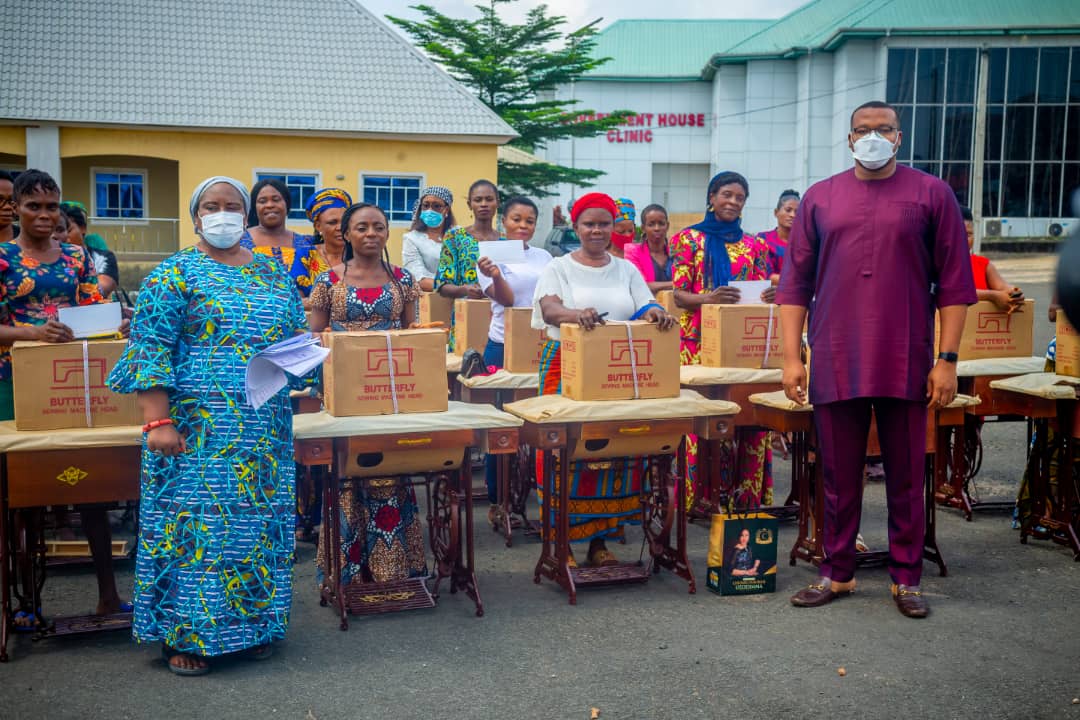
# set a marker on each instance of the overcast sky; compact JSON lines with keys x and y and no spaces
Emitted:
{"x":579,"y":12}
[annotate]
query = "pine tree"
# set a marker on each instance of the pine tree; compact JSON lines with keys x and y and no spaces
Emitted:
{"x":515,"y":70}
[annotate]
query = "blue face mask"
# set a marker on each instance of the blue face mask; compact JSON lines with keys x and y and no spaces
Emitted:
{"x":431,"y":218}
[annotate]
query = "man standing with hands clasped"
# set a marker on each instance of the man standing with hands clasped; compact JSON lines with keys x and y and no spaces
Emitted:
{"x":874,"y":250}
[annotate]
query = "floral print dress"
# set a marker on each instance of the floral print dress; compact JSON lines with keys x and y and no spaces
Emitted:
{"x":748,"y":262}
{"x":303,"y":261}
{"x":381,"y":535}
{"x":457,"y":264}
{"x":32,"y":292}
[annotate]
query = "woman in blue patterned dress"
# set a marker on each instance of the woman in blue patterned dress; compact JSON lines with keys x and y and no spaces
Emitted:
{"x":456,"y":276}
{"x":213,"y":573}
{"x":381,"y":539}
{"x":269,"y":235}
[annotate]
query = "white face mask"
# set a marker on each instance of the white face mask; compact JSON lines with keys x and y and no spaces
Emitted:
{"x":873,"y":151}
{"x":222,"y":229}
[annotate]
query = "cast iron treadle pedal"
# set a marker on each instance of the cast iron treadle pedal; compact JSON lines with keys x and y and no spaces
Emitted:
{"x":386,"y":597}
{"x":610,"y":575}
{"x":79,"y":624}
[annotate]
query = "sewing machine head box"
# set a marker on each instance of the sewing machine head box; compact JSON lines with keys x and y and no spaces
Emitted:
{"x":1067,"y":359}
{"x":600,"y":364}
{"x":990,"y":332}
{"x":362,"y":376}
{"x":472,"y":322}
{"x":435,"y":308}
{"x":523,"y":343}
{"x":52,"y":382}
{"x":738,"y":336}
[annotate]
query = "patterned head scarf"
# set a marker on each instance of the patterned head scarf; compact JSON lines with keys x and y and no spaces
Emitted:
{"x":196,"y":196}
{"x":326,"y":199}
{"x":626,"y":208}
{"x":438,"y":191}
{"x":76,"y":205}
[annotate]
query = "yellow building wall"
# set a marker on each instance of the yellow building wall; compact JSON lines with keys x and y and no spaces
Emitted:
{"x":13,"y":140}
{"x":201,"y":155}
{"x":161,"y":180}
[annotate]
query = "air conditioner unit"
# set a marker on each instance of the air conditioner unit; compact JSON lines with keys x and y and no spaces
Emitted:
{"x":1059,"y":228}
{"x":992,"y":228}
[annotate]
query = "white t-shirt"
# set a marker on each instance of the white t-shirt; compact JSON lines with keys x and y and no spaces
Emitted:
{"x":522,"y":278}
{"x":617,"y":289}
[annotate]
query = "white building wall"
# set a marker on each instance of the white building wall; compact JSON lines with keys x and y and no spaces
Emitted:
{"x":771,"y":138}
{"x":858,"y":77}
{"x":629,"y":164}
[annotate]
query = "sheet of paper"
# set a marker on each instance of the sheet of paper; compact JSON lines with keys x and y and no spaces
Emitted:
{"x":90,"y":320}
{"x":297,"y":356}
{"x":750,"y":290}
{"x":502,"y":252}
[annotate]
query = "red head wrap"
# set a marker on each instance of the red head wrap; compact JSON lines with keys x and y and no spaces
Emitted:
{"x":593,"y":200}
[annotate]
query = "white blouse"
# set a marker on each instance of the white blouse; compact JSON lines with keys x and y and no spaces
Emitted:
{"x":617,"y":289}
{"x":420,"y":254}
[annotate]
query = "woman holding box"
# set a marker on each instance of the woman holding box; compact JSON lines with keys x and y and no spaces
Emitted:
{"x":586,"y":287}
{"x":456,"y":277}
{"x":213,"y":573}
{"x":382,"y":538}
{"x":509,"y":285}
{"x":705,"y":258}
{"x":38,"y":276}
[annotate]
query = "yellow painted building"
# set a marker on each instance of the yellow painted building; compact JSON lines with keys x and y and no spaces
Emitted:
{"x":372,"y":116}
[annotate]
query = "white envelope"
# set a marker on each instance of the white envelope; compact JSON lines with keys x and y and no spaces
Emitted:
{"x":502,"y":252}
{"x":750,"y":290}
{"x":92,"y":320}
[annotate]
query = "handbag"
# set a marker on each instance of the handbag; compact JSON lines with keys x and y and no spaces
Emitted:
{"x":742,"y":553}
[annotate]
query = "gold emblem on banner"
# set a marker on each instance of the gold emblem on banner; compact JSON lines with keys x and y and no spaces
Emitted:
{"x":72,"y":476}
{"x":764,"y":536}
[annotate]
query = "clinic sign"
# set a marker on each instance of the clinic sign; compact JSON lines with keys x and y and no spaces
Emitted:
{"x":639,"y":127}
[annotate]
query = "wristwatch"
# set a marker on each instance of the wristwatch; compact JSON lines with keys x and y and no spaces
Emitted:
{"x":948,"y":357}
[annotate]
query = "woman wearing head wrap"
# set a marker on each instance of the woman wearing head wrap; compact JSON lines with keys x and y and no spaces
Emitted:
{"x":421,"y":246}
{"x":624,"y":231}
{"x":271,"y":202}
{"x":456,"y":276}
{"x":324,"y":209}
{"x":213,"y":573}
{"x":705,"y":258}
{"x":586,"y":287}
{"x":776,"y":239}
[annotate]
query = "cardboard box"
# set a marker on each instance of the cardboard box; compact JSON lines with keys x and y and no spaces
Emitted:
{"x":524,"y":343}
{"x":472,"y":321}
{"x":1067,"y":360}
{"x":736,"y":336}
{"x":357,"y":373}
{"x":599,"y":364}
{"x":667,"y":299}
{"x":50,"y":387}
{"x":435,"y":308}
{"x":992,"y":333}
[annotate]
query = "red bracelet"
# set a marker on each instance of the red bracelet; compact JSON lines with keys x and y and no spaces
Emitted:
{"x":156,"y":424}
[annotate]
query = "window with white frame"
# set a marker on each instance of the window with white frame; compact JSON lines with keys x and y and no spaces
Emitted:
{"x":119,"y":193}
{"x":395,"y":194}
{"x":302,"y":185}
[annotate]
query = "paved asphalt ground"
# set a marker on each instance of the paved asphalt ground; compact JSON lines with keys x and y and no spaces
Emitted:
{"x":1003,"y":639}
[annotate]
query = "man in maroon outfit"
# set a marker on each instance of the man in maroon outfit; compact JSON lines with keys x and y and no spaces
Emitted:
{"x":874,"y":250}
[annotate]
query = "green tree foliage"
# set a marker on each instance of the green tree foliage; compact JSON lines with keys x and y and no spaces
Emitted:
{"x":514,"y":70}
